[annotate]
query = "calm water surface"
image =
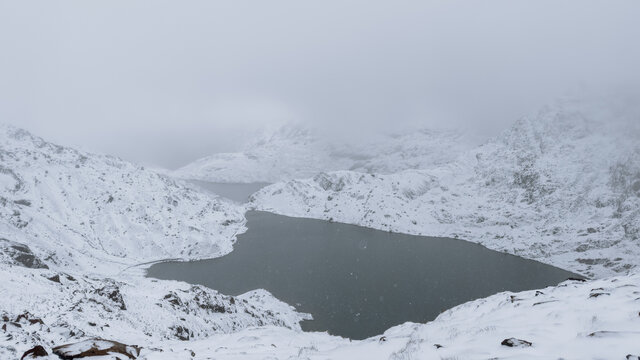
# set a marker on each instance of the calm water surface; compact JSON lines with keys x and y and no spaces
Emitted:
{"x":358,"y":282}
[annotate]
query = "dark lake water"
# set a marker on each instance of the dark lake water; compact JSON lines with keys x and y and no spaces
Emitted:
{"x":358,"y":282}
{"x":236,"y":192}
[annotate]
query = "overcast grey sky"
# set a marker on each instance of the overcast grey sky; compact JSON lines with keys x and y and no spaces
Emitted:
{"x":165,"y":82}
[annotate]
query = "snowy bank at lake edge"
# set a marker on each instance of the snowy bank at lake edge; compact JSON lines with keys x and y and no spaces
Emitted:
{"x":597,"y":319}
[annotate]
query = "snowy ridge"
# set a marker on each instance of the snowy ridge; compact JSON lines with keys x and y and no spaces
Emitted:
{"x":294,"y":152}
{"x":100,"y":206}
{"x":561,"y":187}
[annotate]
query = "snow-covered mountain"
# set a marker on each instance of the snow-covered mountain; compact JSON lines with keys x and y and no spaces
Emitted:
{"x":561,"y":187}
{"x":56,"y":198}
{"x":294,"y":151}
{"x":73,"y":227}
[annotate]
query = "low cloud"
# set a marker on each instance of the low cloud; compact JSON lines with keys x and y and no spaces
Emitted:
{"x":166,"y":82}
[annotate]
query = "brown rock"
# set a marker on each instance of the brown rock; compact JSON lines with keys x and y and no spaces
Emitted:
{"x":37,"y":351}
{"x":513,"y":342}
{"x":96,"y":347}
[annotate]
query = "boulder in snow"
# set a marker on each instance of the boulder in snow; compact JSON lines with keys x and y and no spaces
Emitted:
{"x":513,"y":342}
{"x":96,"y":347}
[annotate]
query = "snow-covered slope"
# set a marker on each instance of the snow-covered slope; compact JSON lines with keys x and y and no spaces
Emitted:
{"x":561,"y":187}
{"x":573,"y":321}
{"x":93,"y":206}
{"x":294,"y":151}
{"x":48,"y":308}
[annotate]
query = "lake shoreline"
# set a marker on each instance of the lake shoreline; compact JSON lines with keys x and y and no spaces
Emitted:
{"x":276,"y":267}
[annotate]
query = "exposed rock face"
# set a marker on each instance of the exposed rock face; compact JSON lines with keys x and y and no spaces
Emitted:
{"x":112,"y":293}
{"x":35,"y":352}
{"x":96,"y":347}
{"x":181,"y":332}
{"x":15,"y":253}
{"x":296,"y":152}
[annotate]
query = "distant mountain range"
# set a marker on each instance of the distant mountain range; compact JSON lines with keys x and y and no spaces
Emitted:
{"x":294,"y":151}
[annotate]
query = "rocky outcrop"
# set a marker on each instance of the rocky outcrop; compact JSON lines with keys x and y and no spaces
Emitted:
{"x":513,"y":342}
{"x":35,"y":352}
{"x":80,"y":307}
{"x":19,"y":254}
{"x":96,"y":347}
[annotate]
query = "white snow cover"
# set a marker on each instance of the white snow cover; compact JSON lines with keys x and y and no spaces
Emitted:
{"x":101,"y":207}
{"x":73,"y":229}
{"x":40,"y":306}
{"x":561,"y":187}
{"x":592,"y":320}
{"x":295,"y":151}
{"x":598,"y":319}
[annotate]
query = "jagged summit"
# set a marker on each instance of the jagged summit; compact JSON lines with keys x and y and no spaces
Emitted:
{"x":74,"y":227}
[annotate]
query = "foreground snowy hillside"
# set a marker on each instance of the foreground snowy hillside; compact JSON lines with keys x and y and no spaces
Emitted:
{"x":561,"y":187}
{"x":573,"y":321}
{"x":50,"y":308}
{"x":297,"y":152}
